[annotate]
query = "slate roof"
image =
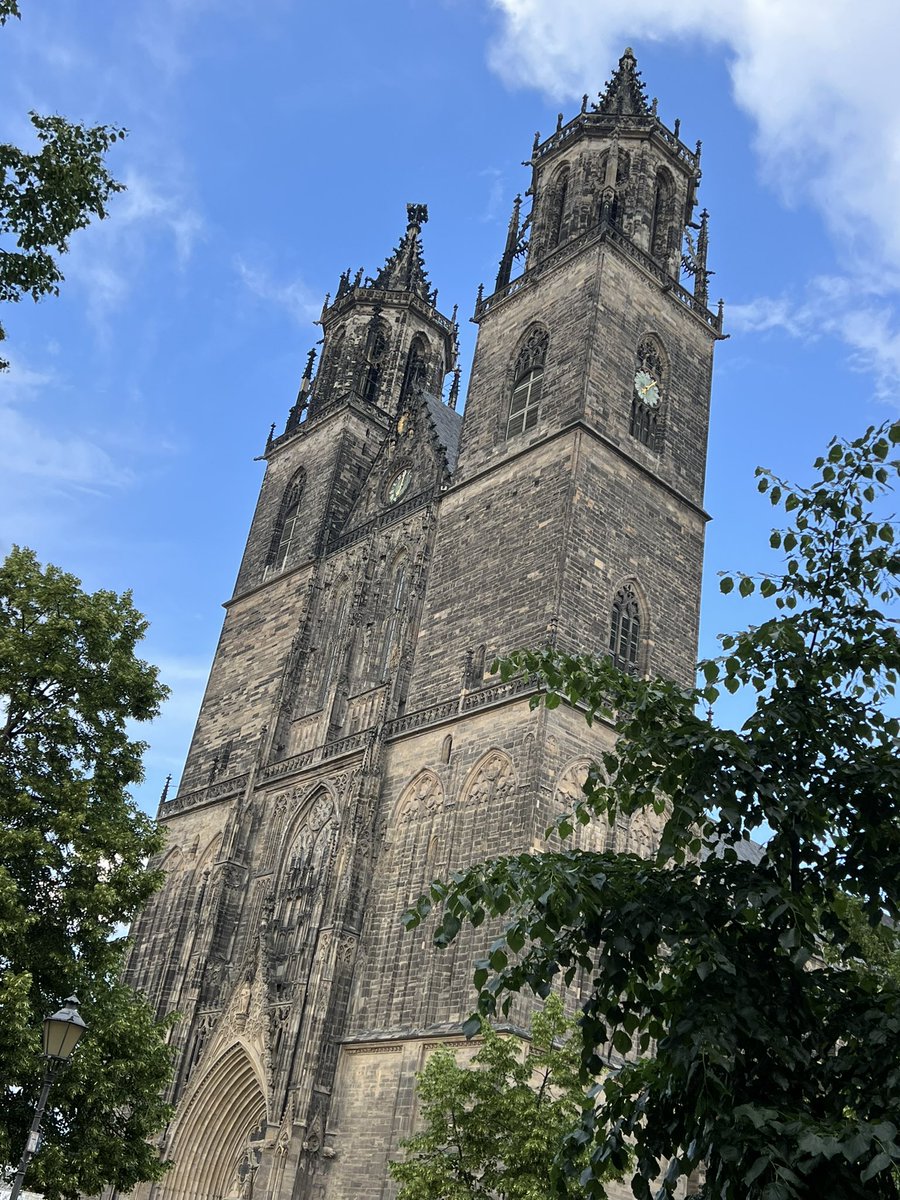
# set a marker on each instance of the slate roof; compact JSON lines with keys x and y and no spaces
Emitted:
{"x":447,"y":424}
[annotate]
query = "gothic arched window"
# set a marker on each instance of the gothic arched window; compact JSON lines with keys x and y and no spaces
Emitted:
{"x":625,"y":630}
{"x":288,"y":528}
{"x":528,"y":384}
{"x":416,"y":373}
{"x":611,"y":200}
{"x":556,"y":207}
{"x":648,"y":394}
{"x":302,"y":890}
{"x":394,"y":617}
{"x":661,"y":225}
{"x":376,"y":349}
{"x":328,"y":373}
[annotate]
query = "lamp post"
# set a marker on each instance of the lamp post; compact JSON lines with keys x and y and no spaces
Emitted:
{"x":62,"y":1033}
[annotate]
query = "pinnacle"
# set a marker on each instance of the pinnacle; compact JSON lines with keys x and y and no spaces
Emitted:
{"x":405,"y":271}
{"x":624,"y":94}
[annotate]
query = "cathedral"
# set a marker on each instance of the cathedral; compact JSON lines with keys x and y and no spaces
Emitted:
{"x":352,"y":744}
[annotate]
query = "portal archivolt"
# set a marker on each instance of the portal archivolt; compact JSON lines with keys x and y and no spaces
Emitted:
{"x":212,"y":1147}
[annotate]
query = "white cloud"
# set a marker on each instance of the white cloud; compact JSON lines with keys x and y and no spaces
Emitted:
{"x":110,"y":258}
{"x":819,"y":79}
{"x":840,"y":307}
{"x":295,"y":296}
{"x":71,"y":461}
{"x":144,"y":205}
{"x":496,"y":193}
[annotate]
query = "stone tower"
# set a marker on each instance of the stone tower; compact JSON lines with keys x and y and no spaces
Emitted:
{"x":352,"y":745}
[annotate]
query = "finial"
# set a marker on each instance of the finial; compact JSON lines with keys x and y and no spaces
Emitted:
{"x":654,"y":106}
{"x":624,"y":94}
{"x":509,"y":251}
{"x":271,"y":435}
{"x":453,"y":398}
{"x":584,"y":100}
{"x":720,"y":315}
{"x":677,"y":129}
{"x":416,"y":214}
{"x":357,"y":279}
{"x":310,"y":359}
{"x":165,"y":791}
{"x":453,"y":317}
{"x":699,"y":147}
{"x":559,"y":121}
{"x":324,"y":307}
{"x":537,"y":140}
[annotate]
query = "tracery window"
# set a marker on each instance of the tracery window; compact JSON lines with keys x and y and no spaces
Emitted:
{"x":528,"y":385}
{"x":376,"y":350}
{"x":625,"y":630}
{"x":302,"y":888}
{"x":612,"y":206}
{"x":416,"y":372}
{"x":328,"y":374}
{"x":394,"y":617}
{"x":288,"y":527}
{"x":556,"y":207}
{"x":663,"y":215}
{"x":648,"y":394}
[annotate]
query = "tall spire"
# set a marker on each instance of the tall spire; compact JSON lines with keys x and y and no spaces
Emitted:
{"x":624,"y":94}
{"x":512,"y":246}
{"x":404,"y":271}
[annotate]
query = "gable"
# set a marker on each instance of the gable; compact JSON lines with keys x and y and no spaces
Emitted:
{"x":415,"y":460}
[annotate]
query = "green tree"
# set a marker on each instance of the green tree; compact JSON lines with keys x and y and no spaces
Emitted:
{"x":761,"y":1036}
{"x":491,"y":1128}
{"x":73,"y":855}
{"x":46,"y":195}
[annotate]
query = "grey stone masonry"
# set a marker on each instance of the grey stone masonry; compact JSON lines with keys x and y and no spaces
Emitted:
{"x":353,"y":744}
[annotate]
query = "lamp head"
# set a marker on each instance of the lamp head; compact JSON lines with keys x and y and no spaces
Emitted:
{"x":62,"y":1031}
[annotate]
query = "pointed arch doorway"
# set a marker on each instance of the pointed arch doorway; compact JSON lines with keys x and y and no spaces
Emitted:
{"x":212,"y":1144}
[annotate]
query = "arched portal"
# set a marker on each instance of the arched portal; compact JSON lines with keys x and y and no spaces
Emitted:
{"x":211,"y":1148}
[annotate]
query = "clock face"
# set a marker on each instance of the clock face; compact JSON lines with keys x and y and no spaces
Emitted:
{"x":647,"y":389}
{"x":398,"y":485}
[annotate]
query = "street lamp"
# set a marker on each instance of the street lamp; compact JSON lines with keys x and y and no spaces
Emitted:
{"x":62,"y":1033}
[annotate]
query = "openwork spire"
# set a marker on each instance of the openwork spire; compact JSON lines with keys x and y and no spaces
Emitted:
{"x":404,"y":271}
{"x":624,"y":94}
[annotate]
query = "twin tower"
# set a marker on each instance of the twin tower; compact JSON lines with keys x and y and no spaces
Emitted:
{"x":352,"y":744}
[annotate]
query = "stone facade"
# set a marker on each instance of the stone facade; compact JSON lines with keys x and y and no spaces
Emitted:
{"x":352,"y":744}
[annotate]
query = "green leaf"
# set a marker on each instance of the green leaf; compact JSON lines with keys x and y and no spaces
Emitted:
{"x":757,"y":1169}
{"x":879,"y":1163}
{"x":472,"y":1027}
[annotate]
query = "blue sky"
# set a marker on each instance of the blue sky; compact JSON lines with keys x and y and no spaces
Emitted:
{"x":273,"y":144}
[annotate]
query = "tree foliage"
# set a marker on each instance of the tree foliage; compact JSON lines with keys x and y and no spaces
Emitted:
{"x":46,"y":195}
{"x":490,"y":1128}
{"x":756,"y":1035}
{"x":73,"y":854}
